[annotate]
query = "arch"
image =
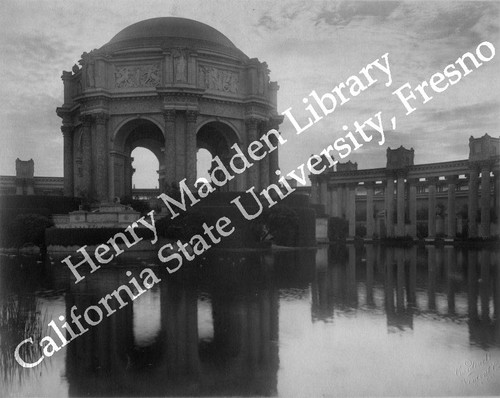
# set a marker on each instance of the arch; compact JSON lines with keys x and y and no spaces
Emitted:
{"x":217,"y":138}
{"x":226,"y":122}
{"x":146,"y":166}
{"x":122,"y":127}
{"x":129,"y":135}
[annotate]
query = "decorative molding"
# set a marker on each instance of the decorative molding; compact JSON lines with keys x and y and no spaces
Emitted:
{"x":67,"y":130}
{"x":101,"y":118}
{"x":169,"y":115}
{"x":191,"y":116}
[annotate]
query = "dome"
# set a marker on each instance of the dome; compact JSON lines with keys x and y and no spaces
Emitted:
{"x":172,"y":31}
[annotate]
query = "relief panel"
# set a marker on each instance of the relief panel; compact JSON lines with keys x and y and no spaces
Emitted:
{"x":137,"y":76}
{"x":217,"y":79}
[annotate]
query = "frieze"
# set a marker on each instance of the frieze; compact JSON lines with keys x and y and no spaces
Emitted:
{"x":212,"y":78}
{"x":137,"y":76}
{"x":221,"y":109}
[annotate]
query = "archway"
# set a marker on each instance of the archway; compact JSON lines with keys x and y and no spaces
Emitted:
{"x":203,"y":163}
{"x":136,"y":134}
{"x":146,"y":168}
{"x":217,"y":138}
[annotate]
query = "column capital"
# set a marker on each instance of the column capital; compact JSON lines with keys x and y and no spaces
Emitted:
{"x":66,"y":75}
{"x":252,"y":122}
{"x":101,"y":118}
{"x":432,"y":180}
{"x":67,"y":130}
{"x":191,"y":116}
{"x":486,"y":165}
{"x":390,"y":174}
{"x":452,"y":179}
{"x":169,"y":115}
{"x":86,"y":120}
{"x":413,"y":180}
{"x":474,"y":167}
{"x":400,"y":173}
{"x":274,"y":122}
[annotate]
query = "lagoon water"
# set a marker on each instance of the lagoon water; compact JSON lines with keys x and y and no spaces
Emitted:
{"x":337,"y":321}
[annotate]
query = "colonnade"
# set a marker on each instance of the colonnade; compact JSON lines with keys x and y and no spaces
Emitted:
{"x":101,"y":167}
{"x":398,"y":189}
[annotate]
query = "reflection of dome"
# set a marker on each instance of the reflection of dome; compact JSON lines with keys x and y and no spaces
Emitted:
{"x":172,"y":32}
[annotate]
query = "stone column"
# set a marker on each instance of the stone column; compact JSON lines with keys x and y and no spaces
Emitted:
{"x":180,"y":147}
{"x":273,"y":156}
{"x":400,"y":204}
{"x":389,"y":205}
{"x":340,"y":194}
{"x":101,"y":161}
{"x":68,"y":86}
{"x":369,"y":209}
{"x":192,"y":67}
{"x":87,"y":157}
{"x":253,"y":171}
{"x":332,"y":194}
{"x":412,"y":210}
{"x":170,"y":169}
{"x":191,"y":117}
{"x":129,"y":173}
{"x":485,"y":200}
{"x":497,"y":202}
{"x":431,"y":215}
{"x":323,"y":193}
{"x":314,"y":195}
{"x":264,"y":172}
{"x":473,"y":200}
{"x":351,"y":209}
{"x":111,"y":175}
{"x":264,"y":169}
{"x":452,"y":216}
{"x":67,"y":132}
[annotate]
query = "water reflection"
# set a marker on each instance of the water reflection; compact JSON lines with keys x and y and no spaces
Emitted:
{"x":240,"y":358}
{"x":234,"y":324}
{"x":409,"y":282}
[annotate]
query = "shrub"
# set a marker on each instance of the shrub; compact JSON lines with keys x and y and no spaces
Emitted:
{"x":87,"y":236}
{"x":360,"y":231}
{"x":27,"y":229}
{"x":182,"y":227}
{"x":422,"y":230}
{"x":279,"y":222}
{"x":338,"y":228}
{"x":54,"y":204}
{"x":141,"y":206}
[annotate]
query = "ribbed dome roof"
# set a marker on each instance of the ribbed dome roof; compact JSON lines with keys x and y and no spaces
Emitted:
{"x":171,"y":29}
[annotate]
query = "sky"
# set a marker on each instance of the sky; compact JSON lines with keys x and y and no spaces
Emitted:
{"x":308,"y":45}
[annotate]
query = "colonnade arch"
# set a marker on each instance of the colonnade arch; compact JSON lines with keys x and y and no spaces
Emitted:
{"x":217,"y":138}
{"x":135,"y":133}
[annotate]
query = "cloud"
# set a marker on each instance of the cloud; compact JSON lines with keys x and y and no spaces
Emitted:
{"x":308,"y":45}
{"x":344,"y":13}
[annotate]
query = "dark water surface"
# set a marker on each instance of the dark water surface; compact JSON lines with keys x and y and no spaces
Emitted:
{"x":337,"y":321}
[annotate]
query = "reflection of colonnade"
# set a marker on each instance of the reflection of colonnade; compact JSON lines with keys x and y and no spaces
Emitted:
{"x":453,"y":284}
{"x":393,"y":198}
{"x":240,"y":358}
